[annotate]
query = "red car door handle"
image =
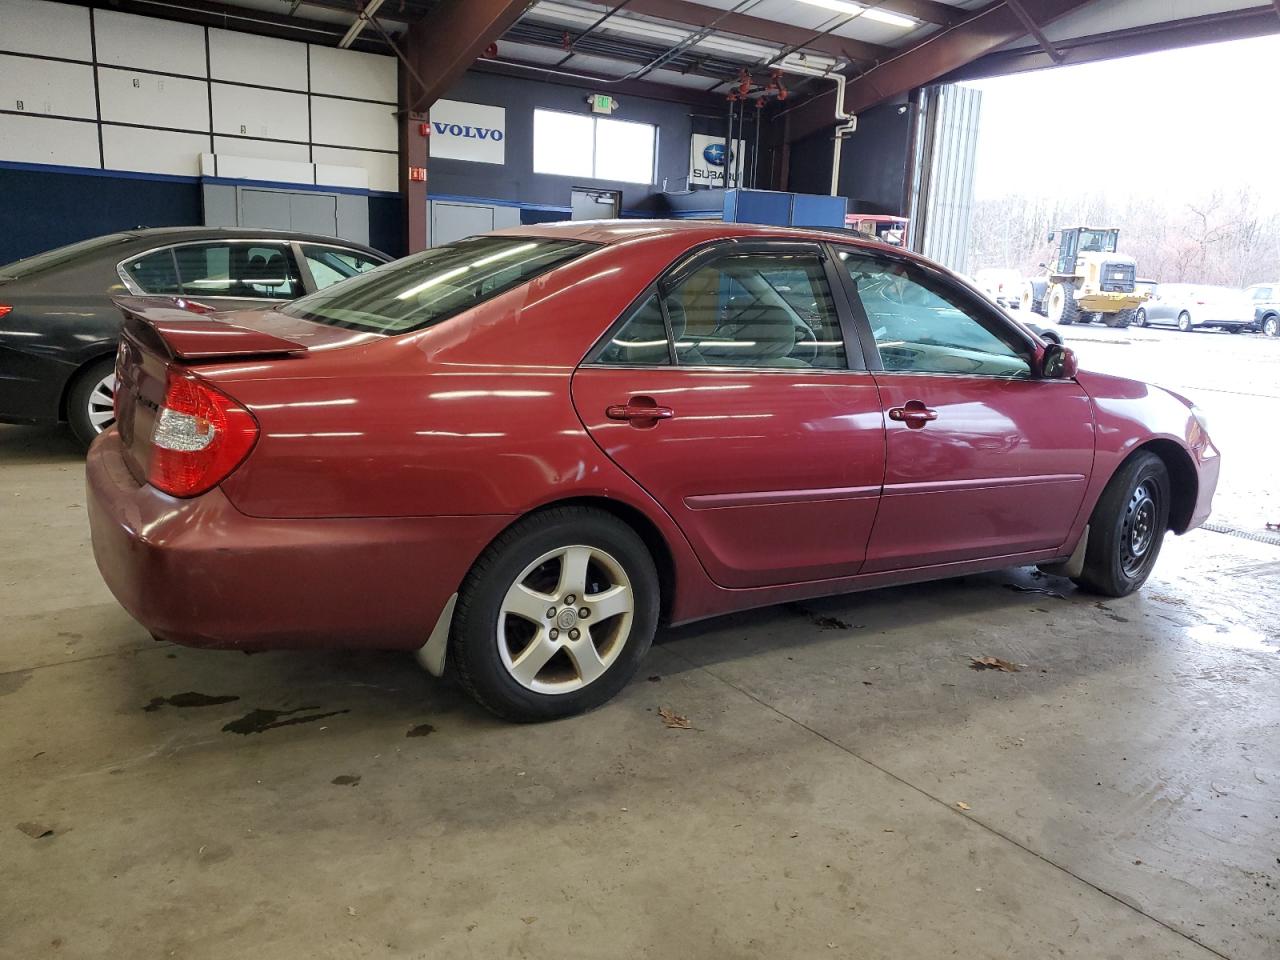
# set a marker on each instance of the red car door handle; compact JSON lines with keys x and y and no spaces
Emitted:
{"x":639,"y":412}
{"x":913,"y":413}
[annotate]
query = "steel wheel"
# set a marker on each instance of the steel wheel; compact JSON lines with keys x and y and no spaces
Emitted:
{"x":101,"y":404}
{"x":1139,"y":530}
{"x":565,"y":619}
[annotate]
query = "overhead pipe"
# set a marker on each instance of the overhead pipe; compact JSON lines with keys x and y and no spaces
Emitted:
{"x":845,"y":124}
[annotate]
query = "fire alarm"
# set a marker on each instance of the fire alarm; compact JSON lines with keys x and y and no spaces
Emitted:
{"x":418,"y":173}
{"x":424,"y":129}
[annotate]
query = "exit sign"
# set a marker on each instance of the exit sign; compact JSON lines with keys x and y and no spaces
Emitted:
{"x":602,"y":103}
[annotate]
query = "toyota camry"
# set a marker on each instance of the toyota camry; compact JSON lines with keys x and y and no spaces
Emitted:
{"x":520,"y":453}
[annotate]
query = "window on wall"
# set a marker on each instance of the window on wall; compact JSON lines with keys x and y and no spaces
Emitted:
{"x":574,"y":145}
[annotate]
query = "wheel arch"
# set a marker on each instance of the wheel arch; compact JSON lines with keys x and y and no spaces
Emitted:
{"x":1184,"y":482}
{"x":74,"y":378}
{"x":635,"y":518}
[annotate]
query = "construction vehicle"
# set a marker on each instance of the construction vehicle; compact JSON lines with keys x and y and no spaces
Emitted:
{"x":1087,"y":281}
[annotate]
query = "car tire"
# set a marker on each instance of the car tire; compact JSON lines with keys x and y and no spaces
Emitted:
{"x":518,"y":643}
{"x":1127,"y":527}
{"x":1184,"y":322}
{"x":1235,"y":328}
{"x":1139,"y":317}
{"x":1271,"y":325}
{"x":89,"y":401}
{"x":1062,"y":305}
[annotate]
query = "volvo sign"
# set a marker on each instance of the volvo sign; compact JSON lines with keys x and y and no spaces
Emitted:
{"x":468,"y":131}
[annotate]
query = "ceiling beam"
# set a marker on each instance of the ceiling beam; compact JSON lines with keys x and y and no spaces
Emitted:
{"x":626,"y":88}
{"x":1129,"y":42}
{"x":754,"y":28}
{"x":933,"y":57}
{"x":443,"y":44}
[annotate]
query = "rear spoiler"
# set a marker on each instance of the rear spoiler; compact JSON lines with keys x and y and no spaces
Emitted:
{"x":179,"y":332}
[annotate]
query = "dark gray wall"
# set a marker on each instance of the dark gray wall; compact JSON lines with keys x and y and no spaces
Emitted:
{"x":873,"y":162}
{"x":516,"y":182}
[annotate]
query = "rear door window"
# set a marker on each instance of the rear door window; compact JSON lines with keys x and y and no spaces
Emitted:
{"x":243,"y":271}
{"x":328,"y":265}
{"x":155,"y":273}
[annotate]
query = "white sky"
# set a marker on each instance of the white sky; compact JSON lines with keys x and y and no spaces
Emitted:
{"x":1172,"y":126}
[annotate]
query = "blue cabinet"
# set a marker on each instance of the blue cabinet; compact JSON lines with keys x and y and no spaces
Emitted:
{"x":783,"y":209}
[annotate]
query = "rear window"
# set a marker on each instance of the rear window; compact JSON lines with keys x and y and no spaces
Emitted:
{"x":57,"y":257}
{"x":436,"y":284}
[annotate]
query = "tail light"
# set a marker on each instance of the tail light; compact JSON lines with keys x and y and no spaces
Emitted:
{"x":201,"y":435}
{"x":5,"y":310}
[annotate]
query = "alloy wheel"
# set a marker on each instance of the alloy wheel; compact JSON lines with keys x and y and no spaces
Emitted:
{"x":101,"y":404}
{"x":565,"y":619}
{"x":1139,"y":531}
{"x":1271,"y":326}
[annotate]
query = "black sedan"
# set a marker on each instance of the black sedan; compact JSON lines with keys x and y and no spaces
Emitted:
{"x":58,"y":326}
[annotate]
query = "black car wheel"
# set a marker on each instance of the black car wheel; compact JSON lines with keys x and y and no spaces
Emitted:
{"x":1140,"y":318}
{"x":1271,"y":326}
{"x":555,"y":616}
{"x":1127,"y":527}
{"x":1184,"y":322}
{"x":90,"y":404}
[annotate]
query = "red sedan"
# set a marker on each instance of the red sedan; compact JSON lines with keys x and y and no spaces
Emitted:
{"x":519,"y":453}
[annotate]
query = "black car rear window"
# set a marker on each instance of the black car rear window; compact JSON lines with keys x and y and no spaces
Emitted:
{"x":436,"y":284}
{"x":30,"y":266}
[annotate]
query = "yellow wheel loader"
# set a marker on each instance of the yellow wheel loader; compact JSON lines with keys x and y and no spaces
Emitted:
{"x":1088,"y":280}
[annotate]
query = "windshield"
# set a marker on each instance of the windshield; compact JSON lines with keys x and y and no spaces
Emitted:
{"x":434,"y":285}
{"x":1098,"y":241}
{"x":54,"y":258}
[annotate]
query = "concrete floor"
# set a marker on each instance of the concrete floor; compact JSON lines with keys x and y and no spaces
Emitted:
{"x":850,"y":788}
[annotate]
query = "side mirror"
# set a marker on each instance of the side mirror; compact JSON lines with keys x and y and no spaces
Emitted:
{"x":1044,"y":266}
{"x":1058,"y":362}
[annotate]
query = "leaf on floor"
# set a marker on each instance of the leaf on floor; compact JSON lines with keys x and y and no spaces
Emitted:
{"x":36,"y":831}
{"x":673,"y":720}
{"x":961,"y":805}
{"x":993,"y":663}
{"x":529,"y":920}
{"x":346,"y":780}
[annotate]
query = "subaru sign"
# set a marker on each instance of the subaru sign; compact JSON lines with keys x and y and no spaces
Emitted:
{"x":468,"y":131}
{"x":708,"y":160}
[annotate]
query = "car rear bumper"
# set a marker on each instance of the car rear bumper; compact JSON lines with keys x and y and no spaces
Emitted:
{"x":199,"y":572}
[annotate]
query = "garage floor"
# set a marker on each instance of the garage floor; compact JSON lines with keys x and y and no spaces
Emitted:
{"x":849,"y":787}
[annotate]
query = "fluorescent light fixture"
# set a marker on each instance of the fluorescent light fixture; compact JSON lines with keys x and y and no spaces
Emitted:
{"x":870,"y":13}
{"x":358,"y":27}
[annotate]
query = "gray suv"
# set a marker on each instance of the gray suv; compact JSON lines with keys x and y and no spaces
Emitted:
{"x":1266,"y":307}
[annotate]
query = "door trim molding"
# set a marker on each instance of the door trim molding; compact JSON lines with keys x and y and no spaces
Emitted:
{"x":719,"y":501}
{"x":947,"y":486}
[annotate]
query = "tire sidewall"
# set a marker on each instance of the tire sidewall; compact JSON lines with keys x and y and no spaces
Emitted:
{"x":1108,"y":529}
{"x":1140,"y":318}
{"x":474,"y":642}
{"x":78,"y":399}
{"x":1184,"y":327}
